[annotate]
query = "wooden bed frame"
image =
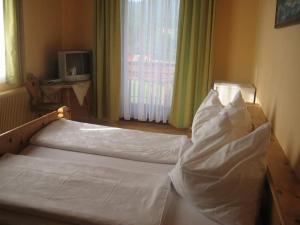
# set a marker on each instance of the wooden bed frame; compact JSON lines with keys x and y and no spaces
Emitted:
{"x":281,"y":201}
{"x":15,"y":140}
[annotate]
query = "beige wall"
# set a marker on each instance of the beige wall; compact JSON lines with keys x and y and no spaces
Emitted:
{"x":235,"y":26}
{"x":42,"y":29}
{"x":77,"y":24}
{"x":53,"y":25}
{"x":278,"y":78}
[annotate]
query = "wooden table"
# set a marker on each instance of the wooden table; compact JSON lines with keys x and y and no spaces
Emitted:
{"x":64,"y":92}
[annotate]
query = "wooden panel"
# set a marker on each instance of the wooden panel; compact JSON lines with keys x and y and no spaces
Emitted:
{"x":15,"y":140}
{"x":257,"y":115}
{"x":284,"y":206}
{"x":284,"y":185}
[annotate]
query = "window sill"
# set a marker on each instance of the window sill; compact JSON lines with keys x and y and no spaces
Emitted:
{"x":5,"y":87}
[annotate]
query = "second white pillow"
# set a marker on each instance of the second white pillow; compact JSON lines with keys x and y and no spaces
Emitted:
{"x":211,"y":106}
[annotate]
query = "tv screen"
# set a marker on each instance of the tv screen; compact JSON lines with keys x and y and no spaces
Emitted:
{"x":78,"y":63}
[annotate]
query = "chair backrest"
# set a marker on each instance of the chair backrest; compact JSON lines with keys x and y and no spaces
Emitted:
{"x":33,"y":87}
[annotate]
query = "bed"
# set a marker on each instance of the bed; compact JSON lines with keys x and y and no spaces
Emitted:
{"x":176,"y":211}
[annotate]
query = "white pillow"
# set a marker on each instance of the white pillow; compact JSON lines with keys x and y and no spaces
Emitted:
{"x":224,"y":183}
{"x":215,"y":132}
{"x":211,"y":106}
{"x":239,"y":116}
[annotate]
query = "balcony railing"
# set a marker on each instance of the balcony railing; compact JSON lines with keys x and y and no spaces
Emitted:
{"x":157,"y":80}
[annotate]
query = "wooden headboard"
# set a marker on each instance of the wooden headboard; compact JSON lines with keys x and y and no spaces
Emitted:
{"x":281,"y":205}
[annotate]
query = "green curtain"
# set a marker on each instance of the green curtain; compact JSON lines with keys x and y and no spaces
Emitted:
{"x":108,"y":59}
{"x":12,"y":41}
{"x":193,"y":76}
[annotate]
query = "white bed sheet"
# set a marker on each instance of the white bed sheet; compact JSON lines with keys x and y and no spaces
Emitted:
{"x":111,"y":141}
{"x":80,"y":193}
{"x":179,"y":211}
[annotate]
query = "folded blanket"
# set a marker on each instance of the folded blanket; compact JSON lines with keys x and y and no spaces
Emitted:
{"x":111,"y":141}
{"x":80,"y":194}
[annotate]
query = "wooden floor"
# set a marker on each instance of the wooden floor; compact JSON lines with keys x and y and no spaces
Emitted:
{"x":143,"y":126}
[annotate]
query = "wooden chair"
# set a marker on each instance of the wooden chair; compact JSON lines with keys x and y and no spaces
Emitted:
{"x":37,"y":97}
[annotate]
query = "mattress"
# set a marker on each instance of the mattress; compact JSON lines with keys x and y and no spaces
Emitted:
{"x":178,"y":211}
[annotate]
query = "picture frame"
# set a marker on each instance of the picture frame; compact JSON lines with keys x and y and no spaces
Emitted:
{"x":287,"y":13}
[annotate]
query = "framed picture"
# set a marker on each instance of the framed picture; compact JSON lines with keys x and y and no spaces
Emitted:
{"x":287,"y":13}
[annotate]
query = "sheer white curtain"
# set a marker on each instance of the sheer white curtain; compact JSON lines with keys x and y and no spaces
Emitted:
{"x":2,"y":46}
{"x":149,"y":39}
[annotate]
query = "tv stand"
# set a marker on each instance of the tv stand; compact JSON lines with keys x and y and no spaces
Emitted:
{"x":75,"y":94}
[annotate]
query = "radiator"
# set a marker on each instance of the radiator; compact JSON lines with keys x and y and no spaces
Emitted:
{"x":14,"y":108}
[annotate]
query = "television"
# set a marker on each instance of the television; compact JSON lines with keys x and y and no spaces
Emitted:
{"x":74,"y":65}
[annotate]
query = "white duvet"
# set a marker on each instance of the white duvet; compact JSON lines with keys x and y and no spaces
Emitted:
{"x":111,"y":141}
{"x":81,"y":194}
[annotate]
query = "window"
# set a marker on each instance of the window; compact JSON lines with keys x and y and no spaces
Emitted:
{"x":2,"y":46}
{"x":149,"y":41}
